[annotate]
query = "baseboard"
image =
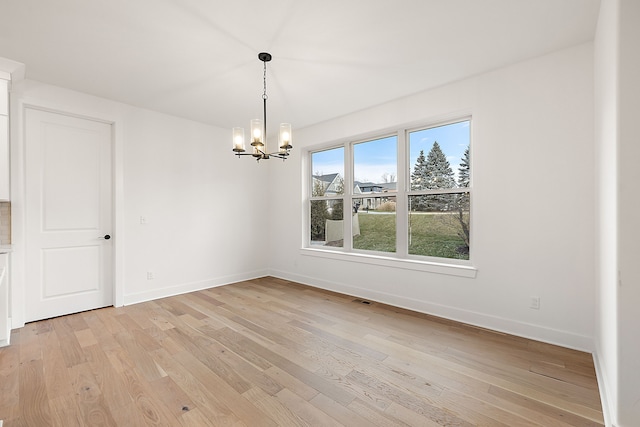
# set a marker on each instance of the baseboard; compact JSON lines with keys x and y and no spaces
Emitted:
{"x":184,"y":288}
{"x":607,"y":410}
{"x":7,"y":341}
{"x":496,"y":323}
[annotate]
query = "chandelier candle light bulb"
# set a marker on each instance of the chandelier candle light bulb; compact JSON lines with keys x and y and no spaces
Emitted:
{"x":256,"y":132}
{"x":258,"y":129}
{"x":238,"y":140}
{"x":285,"y":137}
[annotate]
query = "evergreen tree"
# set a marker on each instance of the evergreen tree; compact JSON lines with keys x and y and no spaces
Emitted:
{"x":432,"y":172}
{"x":439,"y":175}
{"x":438,"y":169}
{"x":419,"y":181}
{"x":419,"y":174}
{"x":463,"y":170}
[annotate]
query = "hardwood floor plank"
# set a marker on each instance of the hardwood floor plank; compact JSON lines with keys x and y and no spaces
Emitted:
{"x":350,"y":344}
{"x":57,"y":379}
{"x":206,"y":399}
{"x":30,"y":345}
{"x":233,"y":341}
{"x":34,"y":400}
{"x":306,"y":411}
{"x":292,"y":383}
{"x":110,"y":382}
{"x":197,"y":418}
{"x":408,"y":416}
{"x":420,"y":406}
{"x":561,"y":373}
{"x":65,"y":411}
{"x":10,"y":380}
{"x":146,"y":401}
{"x":85,"y":337}
{"x":229,"y":397}
{"x":174,"y":398}
{"x":137,"y":355}
{"x":269,"y":352}
{"x":475,"y":409}
{"x":313,"y":380}
{"x":207,"y":354}
{"x":69,"y":345}
{"x":549,"y":410}
{"x":541,"y":389}
{"x":89,"y":399}
{"x":103,"y":335}
{"x":339,"y":412}
{"x":281,"y":413}
{"x":376,"y":416}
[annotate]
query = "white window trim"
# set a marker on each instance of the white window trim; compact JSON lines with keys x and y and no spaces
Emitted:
{"x":375,"y":258}
{"x":399,"y":259}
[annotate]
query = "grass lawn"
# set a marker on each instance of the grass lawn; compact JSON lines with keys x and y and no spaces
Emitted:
{"x":377,"y":232}
{"x":431,"y":234}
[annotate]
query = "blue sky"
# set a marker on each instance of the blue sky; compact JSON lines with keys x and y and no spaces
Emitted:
{"x":375,"y":158}
{"x":453,"y":139}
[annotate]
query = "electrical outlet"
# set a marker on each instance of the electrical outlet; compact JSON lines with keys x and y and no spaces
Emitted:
{"x":143,"y":219}
{"x":534,"y":303}
{"x":150,"y":275}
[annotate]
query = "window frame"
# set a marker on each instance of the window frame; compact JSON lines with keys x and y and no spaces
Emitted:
{"x":401,"y":257}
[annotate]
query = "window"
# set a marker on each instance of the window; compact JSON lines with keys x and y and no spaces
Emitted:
{"x":439,"y":194}
{"x":409,"y":194}
{"x":327,"y":191}
{"x":374,"y":194}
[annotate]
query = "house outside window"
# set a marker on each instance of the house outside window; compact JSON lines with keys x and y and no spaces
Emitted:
{"x":409,"y":194}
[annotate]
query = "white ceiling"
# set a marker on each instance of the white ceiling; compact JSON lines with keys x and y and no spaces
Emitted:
{"x":198,"y":58}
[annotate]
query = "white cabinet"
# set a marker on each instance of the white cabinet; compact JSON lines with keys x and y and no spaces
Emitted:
{"x":4,"y":141}
{"x":5,"y":327}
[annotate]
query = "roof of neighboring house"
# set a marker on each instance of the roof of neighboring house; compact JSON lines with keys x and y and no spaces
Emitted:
{"x":326,"y":178}
{"x":373,"y":187}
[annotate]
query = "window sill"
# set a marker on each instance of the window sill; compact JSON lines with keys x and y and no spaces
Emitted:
{"x":406,"y":264}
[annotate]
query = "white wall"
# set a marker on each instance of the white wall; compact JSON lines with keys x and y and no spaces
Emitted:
{"x":629,"y":215}
{"x":532,"y":149}
{"x":628,"y":394}
{"x":606,"y":107}
{"x":617,"y":65}
{"x":201,"y":203}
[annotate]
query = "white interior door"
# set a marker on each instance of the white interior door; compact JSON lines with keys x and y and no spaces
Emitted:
{"x":68,"y":189}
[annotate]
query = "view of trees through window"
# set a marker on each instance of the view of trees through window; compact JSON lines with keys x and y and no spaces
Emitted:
{"x":438,"y":197}
{"x":435,"y":199}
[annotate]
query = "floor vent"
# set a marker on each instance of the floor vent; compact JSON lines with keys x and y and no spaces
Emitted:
{"x":362,"y":301}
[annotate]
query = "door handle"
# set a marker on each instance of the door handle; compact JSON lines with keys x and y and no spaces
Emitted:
{"x":105,"y":237}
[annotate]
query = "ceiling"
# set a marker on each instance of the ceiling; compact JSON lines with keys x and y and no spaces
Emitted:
{"x":197,"y":59}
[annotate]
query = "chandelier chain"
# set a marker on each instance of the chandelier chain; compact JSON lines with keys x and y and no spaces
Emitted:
{"x":264,"y":80}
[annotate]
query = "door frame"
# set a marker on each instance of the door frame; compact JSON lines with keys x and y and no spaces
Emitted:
{"x":99,"y":110}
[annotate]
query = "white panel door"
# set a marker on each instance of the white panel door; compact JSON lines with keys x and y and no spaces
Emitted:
{"x":68,"y":187}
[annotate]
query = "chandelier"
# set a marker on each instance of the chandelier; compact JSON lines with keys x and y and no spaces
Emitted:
{"x":258,"y":129}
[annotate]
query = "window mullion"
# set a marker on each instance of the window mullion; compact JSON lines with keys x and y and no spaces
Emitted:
{"x":402,"y":179}
{"x":347,"y":206}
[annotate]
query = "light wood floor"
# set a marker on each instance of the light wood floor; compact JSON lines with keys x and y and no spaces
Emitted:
{"x":268,"y":352}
